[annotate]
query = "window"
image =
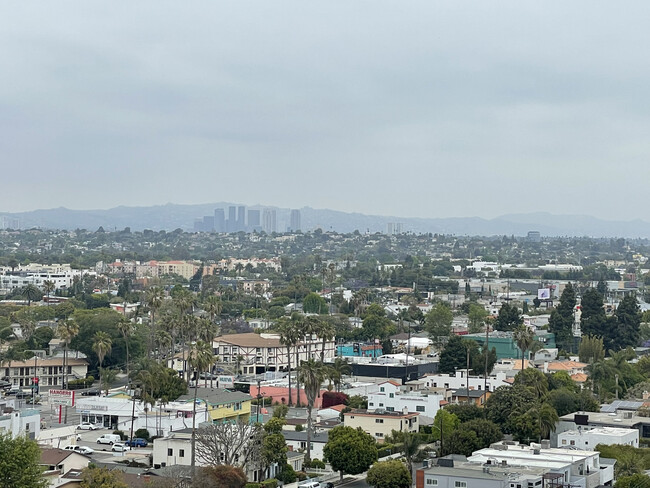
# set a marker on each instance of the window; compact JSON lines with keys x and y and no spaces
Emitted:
{"x":382,"y":389}
{"x":170,"y":452}
{"x":564,"y":442}
{"x":181,"y":453}
{"x":460,"y":484}
{"x":370,"y":404}
{"x":419,"y":408}
{"x":432,"y":482}
{"x":391,"y":395}
{"x":379,"y":421}
{"x":381,"y":404}
{"x":573,"y":443}
{"x":379,"y":434}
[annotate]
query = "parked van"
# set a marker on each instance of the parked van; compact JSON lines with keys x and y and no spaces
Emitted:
{"x":309,"y":484}
{"x":108,"y":439}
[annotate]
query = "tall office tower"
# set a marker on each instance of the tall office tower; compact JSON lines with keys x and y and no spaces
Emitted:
{"x":241,"y":218}
{"x":231,"y":223}
{"x":208,"y":223}
{"x":295,"y":221}
{"x":219,"y":220}
{"x":268,"y":220}
{"x":254,"y":220}
{"x":198,"y":225}
{"x":390,"y":228}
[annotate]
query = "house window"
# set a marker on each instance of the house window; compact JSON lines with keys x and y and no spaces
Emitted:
{"x":379,"y":434}
{"x":381,"y":389}
{"x":379,"y":421}
{"x":460,"y":484}
{"x":564,"y":442}
{"x":419,"y":408}
{"x":432,"y":482}
{"x":170,"y":452}
{"x":391,"y":395}
{"x":181,"y":453}
{"x":370,"y":404}
{"x":573,"y":443}
{"x":381,"y":404}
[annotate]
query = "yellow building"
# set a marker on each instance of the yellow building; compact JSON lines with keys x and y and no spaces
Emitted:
{"x":380,"y":423}
{"x":223,"y":405}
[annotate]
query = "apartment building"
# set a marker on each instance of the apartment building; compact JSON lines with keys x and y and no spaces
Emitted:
{"x":590,"y":438}
{"x":392,"y":399}
{"x":61,"y":275}
{"x":259,"y":353}
{"x":49,"y":371}
{"x":380,"y":423}
{"x":459,"y":379}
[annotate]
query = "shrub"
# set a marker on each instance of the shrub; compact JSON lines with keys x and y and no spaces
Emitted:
{"x":287,"y":475}
{"x":143,"y":434}
{"x":270,"y":483}
{"x":317,"y":463}
{"x":122,"y":435}
{"x":252,"y":485}
{"x":299,"y":428}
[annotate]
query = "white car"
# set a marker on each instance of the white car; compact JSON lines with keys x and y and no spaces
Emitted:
{"x":119,"y":447}
{"x":80,"y":449}
{"x":88,"y":426}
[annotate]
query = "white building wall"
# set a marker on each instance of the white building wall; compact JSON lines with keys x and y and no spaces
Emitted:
{"x":459,"y":379}
{"x":588,"y":439}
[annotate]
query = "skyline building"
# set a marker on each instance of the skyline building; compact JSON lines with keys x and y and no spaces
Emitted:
{"x":294,"y":225}
{"x":269,"y":220}
{"x":254,"y":222}
{"x":219,"y":220}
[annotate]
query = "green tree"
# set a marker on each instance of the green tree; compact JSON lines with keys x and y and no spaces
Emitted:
{"x":107,"y":377}
{"x":289,"y":337}
{"x":562,"y":318}
{"x":389,"y":474}
{"x":32,"y":294}
{"x":274,"y":450}
{"x":508,"y":318}
{"x":314,"y":303}
{"x":508,"y":402}
{"x":591,"y":349}
{"x":94,"y":477}
{"x":628,"y":323}
{"x":19,"y":463}
{"x":454,"y":354}
{"x":593,"y":320}
{"x":445,"y":425}
{"x":477,"y":315}
{"x":438,"y":322}
{"x":534,"y":380}
{"x":201,"y":356}
{"x":636,"y":480}
{"x":350,"y":451}
{"x":274,"y":425}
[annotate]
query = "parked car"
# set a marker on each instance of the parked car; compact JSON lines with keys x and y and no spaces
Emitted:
{"x":24,"y":394}
{"x":87,"y":426}
{"x":80,"y":449}
{"x":109,"y":439}
{"x":5,"y":385}
{"x":91,"y":392}
{"x":119,"y":447}
{"x":137,"y":442}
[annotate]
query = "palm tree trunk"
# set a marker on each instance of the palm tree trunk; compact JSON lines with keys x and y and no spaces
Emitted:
{"x":194,"y":431}
{"x":289,"y":369}
{"x":298,"y":402}
{"x":309,"y":430}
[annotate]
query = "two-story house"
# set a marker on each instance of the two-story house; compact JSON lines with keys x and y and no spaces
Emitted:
{"x":391,"y":398}
{"x":49,"y":371}
{"x":380,"y":423}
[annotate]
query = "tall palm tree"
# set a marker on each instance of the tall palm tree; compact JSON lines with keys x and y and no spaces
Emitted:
{"x":164,"y":342}
{"x":66,"y":330}
{"x":102,"y":345}
{"x":311,"y":375}
{"x":154,"y":299}
{"x":548,"y":418}
{"x":411,"y":444}
{"x":206,"y":332}
{"x":214,"y":306}
{"x":289,"y":336}
{"x":524,"y":338}
{"x":126,"y":329}
{"x":108,"y":377}
{"x":48,"y":287}
{"x":326,"y":331}
{"x":201,"y":356}
{"x":184,"y":302}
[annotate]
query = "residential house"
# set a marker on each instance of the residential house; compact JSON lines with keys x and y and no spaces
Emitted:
{"x":297,"y":441}
{"x":49,"y":371}
{"x":380,"y":423}
{"x":391,"y":397}
{"x":459,"y":379}
{"x":477,"y":397}
{"x":223,"y":405}
{"x":58,"y":462}
{"x":589,"y":438}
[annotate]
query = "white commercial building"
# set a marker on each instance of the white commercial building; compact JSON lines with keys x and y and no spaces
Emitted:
{"x":585,"y":438}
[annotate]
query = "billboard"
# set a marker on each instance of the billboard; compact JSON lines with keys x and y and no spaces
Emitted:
{"x":543,"y":294}
{"x":61,"y":397}
{"x":225,"y":381}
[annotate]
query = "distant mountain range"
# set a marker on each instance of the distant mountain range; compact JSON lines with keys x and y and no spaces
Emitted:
{"x":172,"y":216}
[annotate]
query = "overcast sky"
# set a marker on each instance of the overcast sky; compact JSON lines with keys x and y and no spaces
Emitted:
{"x":406,"y":108}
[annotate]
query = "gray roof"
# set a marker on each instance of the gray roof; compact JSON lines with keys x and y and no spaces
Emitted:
{"x":620,"y":405}
{"x":292,"y":435}
{"x":217,"y":396}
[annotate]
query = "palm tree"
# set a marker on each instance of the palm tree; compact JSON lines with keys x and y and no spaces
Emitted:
{"x":213,"y":305}
{"x":66,"y":330}
{"x":206,"y":332}
{"x":342,"y":367}
{"x":184,"y":302}
{"x":48,"y":287}
{"x":289,"y":336}
{"x":548,"y":419}
{"x":108,"y":377}
{"x":311,"y":375}
{"x":411,"y":444}
{"x":201,"y":356}
{"x":126,"y":329}
{"x":326,"y":331}
{"x":524,"y":338}
{"x":102,"y":345}
{"x":154,"y":299}
{"x":164,"y":341}
{"x":31,"y":294}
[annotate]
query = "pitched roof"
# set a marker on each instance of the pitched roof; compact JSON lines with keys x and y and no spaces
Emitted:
{"x":51,"y":456}
{"x":565,"y":365}
{"x":217,"y":396}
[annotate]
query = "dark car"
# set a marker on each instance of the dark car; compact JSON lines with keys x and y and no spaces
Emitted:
{"x":24,"y":394}
{"x":136,"y":442}
{"x":91,"y":392}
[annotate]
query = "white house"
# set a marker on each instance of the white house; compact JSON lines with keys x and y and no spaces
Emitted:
{"x":390,"y":398}
{"x":459,"y":379}
{"x":297,"y":441}
{"x":589,"y":438}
